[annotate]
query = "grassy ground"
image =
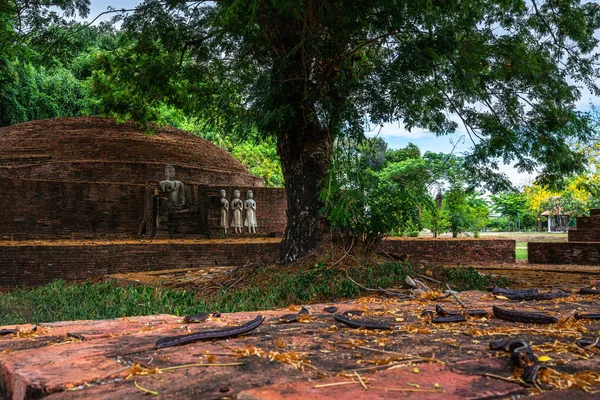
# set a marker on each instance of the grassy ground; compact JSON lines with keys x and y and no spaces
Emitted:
{"x":268,"y":288}
{"x":526,"y":237}
{"x":521,"y":251}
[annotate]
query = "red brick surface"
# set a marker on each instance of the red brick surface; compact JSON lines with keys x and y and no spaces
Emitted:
{"x":26,"y":263}
{"x":450,"y":250}
{"x":584,"y":235}
{"x":591,"y":222}
{"x":583,"y":246}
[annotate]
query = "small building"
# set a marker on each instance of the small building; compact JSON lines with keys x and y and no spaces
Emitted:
{"x":557,"y":220}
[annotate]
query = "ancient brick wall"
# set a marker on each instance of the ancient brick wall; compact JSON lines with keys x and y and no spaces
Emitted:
{"x":32,"y":265}
{"x":271,"y":208}
{"x":44,"y":209}
{"x":564,"y":253}
{"x":450,"y":250}
{"x":32,"y":208}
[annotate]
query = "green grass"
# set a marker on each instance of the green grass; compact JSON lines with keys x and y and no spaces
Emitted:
{"x":269,"y":288}
{"x":521,"y":251}
{"x":60,"y":301}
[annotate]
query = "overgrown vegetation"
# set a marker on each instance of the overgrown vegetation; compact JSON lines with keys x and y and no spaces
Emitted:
{"x":62,"y":301}
{"x":470,"y":279}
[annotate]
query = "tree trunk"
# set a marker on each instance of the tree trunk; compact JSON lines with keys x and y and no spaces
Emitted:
{"x":305,"y":150}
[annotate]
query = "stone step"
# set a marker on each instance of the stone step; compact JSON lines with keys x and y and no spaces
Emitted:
{"x":591,"y":222}
{"x":594,"y":211}
{"x":584,"y":235}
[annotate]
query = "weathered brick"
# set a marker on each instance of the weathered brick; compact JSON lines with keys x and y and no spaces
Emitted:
{"x":450,"y":250}
{"x":564,"y":253}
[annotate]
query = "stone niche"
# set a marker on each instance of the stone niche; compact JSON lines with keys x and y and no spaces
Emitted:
{"x":89,"y":177}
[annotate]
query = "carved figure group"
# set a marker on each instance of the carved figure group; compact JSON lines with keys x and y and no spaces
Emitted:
{"x":237,"y":205}
{"x":243,"y":212}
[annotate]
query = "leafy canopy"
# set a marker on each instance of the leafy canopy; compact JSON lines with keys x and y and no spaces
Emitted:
{"x":505,"y":67}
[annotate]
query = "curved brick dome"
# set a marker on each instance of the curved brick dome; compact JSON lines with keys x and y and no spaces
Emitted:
{"x":96,"y":149}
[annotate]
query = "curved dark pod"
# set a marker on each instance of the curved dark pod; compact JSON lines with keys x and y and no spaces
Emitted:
{"x":523,"y":316}
{"x":356,"y":323}
{"x":587,"y":316}
{"x":588,"y":291}
{"x":208,"y":335}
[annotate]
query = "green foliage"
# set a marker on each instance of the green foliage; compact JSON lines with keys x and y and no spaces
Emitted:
{"x":262,"y":160}
{"x":59,"y":301}
{"x":461,"y":279}
{"x":365,"y":202}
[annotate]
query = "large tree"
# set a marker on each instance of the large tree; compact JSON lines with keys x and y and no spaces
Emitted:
{"x":307,"y":71}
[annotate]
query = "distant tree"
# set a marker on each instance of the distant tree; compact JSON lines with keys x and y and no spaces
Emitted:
{"x":479,"y":211}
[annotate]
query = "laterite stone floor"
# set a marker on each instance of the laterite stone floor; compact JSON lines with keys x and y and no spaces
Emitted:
{"x":314,"y":359}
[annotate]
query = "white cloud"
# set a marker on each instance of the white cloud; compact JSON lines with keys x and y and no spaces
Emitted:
{"x":397,"y":130}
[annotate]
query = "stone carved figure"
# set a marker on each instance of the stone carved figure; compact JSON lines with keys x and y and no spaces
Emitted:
{"x":224,"y":210}
{"x":237,"y":205}
{"x":175,"y":190}
{"x":250,"y":207}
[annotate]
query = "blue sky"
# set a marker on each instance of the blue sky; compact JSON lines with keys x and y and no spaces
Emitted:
{"x":394,"y":134}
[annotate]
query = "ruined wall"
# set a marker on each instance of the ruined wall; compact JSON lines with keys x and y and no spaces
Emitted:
{"x":450,"y":250}
{"x":271,"y":208}
{"x":564,"y":253}
{"x":32,"y":265}
{"x":97,"y":149}
{"x":32,"y":208}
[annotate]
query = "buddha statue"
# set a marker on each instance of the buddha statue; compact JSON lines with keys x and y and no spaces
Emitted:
{"x":175,"y":190}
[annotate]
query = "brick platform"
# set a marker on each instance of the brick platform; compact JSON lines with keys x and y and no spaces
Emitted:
{"x":30,"y":264}
{"x":582,"y":248}
{"x":451,"y":251}
{"x":318,"y":359}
